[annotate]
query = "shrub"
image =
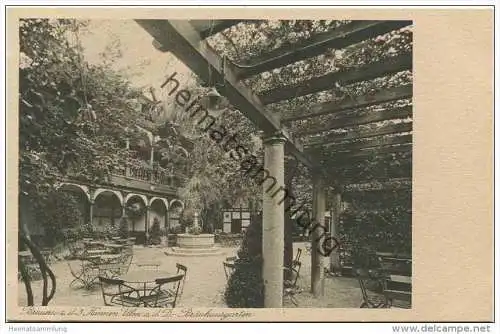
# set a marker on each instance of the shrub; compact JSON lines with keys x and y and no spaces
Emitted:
{"x":57,"y":213}
{"x":377,"y":222}
{"x":195,"y":230}
{"x":124,"y":230}
{"x":88,"y":230}
{"x":246,"y":287}
{"x":155,"y":235}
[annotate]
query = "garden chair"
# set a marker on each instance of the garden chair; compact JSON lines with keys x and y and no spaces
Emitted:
{"x":181,"y":269}
{"x":229,"y":266}
{"x":397,"y":280}
{"x":86,"y":274}
{"x":111,"y":268}
{"x":371,"y":289}
{"x":290,"y":288}
{"x":166,"y":292}
{"x":299,"y":253}
{"x":116,"y":293}
{"x":125,"y":261}
{"x":76,"y":249}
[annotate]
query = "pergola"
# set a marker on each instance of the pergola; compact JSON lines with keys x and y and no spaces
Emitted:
{"x":323,"y":136}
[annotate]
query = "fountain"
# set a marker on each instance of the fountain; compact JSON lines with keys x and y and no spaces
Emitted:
{"x":195,"y":243}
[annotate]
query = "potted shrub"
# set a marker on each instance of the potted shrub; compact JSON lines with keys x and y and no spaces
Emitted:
{"x":124,"y":228}
{"x":155,"y":234}
{"x":245,"y":288}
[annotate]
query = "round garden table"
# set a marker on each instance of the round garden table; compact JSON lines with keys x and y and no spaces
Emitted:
{"x":145,"y":279}
{"x":146,"y":276}
{"x":114,"y":247}
{"x":109,"y":257}
{"x":97,"y":252}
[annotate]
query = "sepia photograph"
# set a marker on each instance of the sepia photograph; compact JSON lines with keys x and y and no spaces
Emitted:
{"x":173,"y":167}
{"x":215,"y":163}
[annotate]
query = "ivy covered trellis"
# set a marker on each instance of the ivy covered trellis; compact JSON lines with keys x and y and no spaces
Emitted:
{"x":338,"y":93}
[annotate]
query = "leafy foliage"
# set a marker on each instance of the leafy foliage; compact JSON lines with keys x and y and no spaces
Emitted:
{"x":59,"y":213}
{"x":377,"y":221}
{"x":72,"y":114}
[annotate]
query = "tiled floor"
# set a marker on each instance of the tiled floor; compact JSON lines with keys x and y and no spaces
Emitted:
{"x":205,"y":283}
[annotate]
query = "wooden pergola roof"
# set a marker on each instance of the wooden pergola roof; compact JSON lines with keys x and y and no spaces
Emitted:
{"x":323,"y":135}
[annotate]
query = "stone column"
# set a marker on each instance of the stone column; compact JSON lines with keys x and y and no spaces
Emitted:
{"x":91,"y":212}
{"x":317,"y":237}
{"x":196,"y":223}
{"x":167,"y":226}
{"x":146,"y":226}
{"x":273,"y":224}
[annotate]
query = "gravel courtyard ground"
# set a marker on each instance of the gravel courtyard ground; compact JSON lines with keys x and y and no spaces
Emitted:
{"x":205,"y":283}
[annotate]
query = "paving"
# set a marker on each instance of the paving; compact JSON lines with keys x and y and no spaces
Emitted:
{"x":204,"y":286}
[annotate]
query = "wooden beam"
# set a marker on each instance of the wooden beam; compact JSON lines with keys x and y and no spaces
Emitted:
{"x":207,"y":28}
{"x":186,"y":44}
{"x":356,"y":134}
{"x":354,"y":164}
{"x":384,"y":177}
{"x":371,"y":117}
{"x":369,"y":143}
{"x":368,"y":152}
{"x":397,"y":183}
{"x":338,"y":38}
{"x":386,"y":95}
{"x":359,"y":177}
{"x":343,"y":77}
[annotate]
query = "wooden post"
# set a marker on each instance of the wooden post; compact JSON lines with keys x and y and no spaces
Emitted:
{"x":334,"y":232}
{"x":273,"y":223}
{"x":167,"y":226}
{"x":318,"y":230}
{"x":127,"y":168}
{"x":151,"y":161}
{"x":146,"y":226}
{"x":288,"y":252}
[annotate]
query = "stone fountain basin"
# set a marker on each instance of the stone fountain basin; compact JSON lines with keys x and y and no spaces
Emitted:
{"x":195,"y":241}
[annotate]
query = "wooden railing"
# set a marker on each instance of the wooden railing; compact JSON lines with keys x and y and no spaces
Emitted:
{"x":156,"y":176}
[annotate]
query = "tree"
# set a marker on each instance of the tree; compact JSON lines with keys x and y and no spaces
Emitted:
{"x":71,"y":114}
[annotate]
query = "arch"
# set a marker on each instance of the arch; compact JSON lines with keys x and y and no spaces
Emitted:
{"x":143,"y":197}
{"x":103,"y":190}
{"x":165,"y":201}
{"x":68,"y":185}
{"x":174,"y":201}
